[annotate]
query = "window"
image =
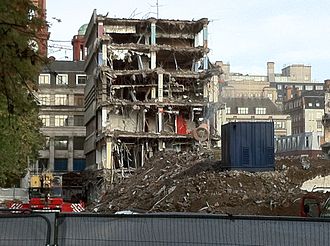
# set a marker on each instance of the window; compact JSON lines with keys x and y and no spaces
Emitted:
{"x":260,"y":110}
{"x":79,"y":164}
{"x":45,"y":119}
{"x":44,"y":99}
{"x":299,"y":87}
{"x":279,"y":87}
{"x":78,"y":120}
{"x":317,"y":104}
{"x":43,"y":163}
{"x":310,"y":104}
{"x":279,"y":125}
{"x":243,"y":110}
{"x":44,"y":79}
{"x":227,"y":110}
{"x":62,"y":79}
{"x":61,"y":120}
{"x":78,"y":143}
{"x":61,"y":99}
{"x":319,"y":124}
{"x":61,"y":143}
{"x":319,"y":87}
{"x":79,"y":100}
{"x":308,"y":87}
{"x":81,"y":79}
{"x":60,"y":165}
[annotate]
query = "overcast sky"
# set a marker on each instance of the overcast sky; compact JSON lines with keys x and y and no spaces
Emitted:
{"x":244,"y":33}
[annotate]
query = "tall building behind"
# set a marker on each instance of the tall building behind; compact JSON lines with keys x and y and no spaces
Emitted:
{"x":43,"y":34}
{"x":149,"y":89}
{"x":306,"y":110}
{"x":61,"y":99}
{"x":273,"y":85}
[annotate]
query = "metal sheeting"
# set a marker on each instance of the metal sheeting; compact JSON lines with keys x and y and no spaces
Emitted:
{"x":248,"y":146}
{"x":19,"y":229}
{"x":189,"y":230}
{"x":161,"y":229}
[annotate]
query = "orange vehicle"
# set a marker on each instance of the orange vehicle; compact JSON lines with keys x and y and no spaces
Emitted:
{"x":45,"y":195}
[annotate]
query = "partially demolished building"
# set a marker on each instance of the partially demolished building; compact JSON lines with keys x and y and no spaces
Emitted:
{"x":149,"y":88}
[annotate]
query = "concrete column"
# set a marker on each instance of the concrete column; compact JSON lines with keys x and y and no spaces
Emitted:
{"x":142,"y":154}
{"x":104,"y":117}
{"x":160,"y":119}
{"x":196,"y":40}
{"x":206,"y":90}
{"x":210,"y":91}
{"x":70,"y":154}
{"x":108,"y":164}
{"x":214,"y":89}
{"x":153,"y":42}
{"x":205,"y":34}
{"x":153,"y":92}
{"x":205,"y":62}
{"x":153,"y":32}
{"x":147,"y":39}
{"x":153,"y":60}
{"x":160,"y":87}
{"x":104,"y":54}
{"x":98,"y":158}
{"x":51,"y":154}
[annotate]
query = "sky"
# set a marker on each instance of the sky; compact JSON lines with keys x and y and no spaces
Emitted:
{"x":244,"y":33}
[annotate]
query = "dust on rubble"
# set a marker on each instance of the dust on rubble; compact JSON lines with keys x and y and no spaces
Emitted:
{"x":194,"y":182}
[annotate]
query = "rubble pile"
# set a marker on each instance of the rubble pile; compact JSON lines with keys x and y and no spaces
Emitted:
{"x":195,"y":182}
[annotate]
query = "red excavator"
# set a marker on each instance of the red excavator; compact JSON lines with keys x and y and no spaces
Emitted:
{"x":46,"y":195}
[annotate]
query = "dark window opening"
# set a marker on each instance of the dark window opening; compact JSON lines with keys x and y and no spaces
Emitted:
{"x":78,"y":143}
{"x":60,"y":165}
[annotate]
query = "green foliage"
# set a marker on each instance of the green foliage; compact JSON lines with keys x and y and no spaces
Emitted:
{"x":20,"y":138}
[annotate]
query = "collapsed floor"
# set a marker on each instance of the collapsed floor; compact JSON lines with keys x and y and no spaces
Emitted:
{"x":193,"y":182}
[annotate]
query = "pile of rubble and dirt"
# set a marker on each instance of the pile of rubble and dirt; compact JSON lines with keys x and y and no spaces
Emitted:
{"x":194,"y":182}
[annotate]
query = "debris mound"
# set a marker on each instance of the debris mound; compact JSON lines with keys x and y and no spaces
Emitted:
{"x":195,"y":182}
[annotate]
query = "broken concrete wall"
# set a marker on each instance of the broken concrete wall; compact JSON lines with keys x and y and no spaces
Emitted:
{"x":131,"y":122}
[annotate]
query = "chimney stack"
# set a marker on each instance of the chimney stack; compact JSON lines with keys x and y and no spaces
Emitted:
{"x":270,"y":71}
{"x":288,"y":93}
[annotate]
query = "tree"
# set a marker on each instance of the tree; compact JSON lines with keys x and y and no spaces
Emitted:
{"x":20,"y":63}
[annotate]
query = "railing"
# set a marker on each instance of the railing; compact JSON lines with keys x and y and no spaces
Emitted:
{"x":162,"y":229}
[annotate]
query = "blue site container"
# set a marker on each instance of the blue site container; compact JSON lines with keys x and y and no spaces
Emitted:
{"x":248,"y":146}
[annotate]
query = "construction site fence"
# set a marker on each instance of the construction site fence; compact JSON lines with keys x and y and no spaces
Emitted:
{"x":161,"y":229}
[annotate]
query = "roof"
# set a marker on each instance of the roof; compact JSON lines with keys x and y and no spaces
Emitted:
{"x":64,"y":66}
{"x":82,"y":29}
{"x":251,"y":104}
{"x":312,"y":93}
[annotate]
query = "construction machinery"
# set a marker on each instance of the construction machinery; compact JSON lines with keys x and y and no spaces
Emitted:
{"x":46,"y":195}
